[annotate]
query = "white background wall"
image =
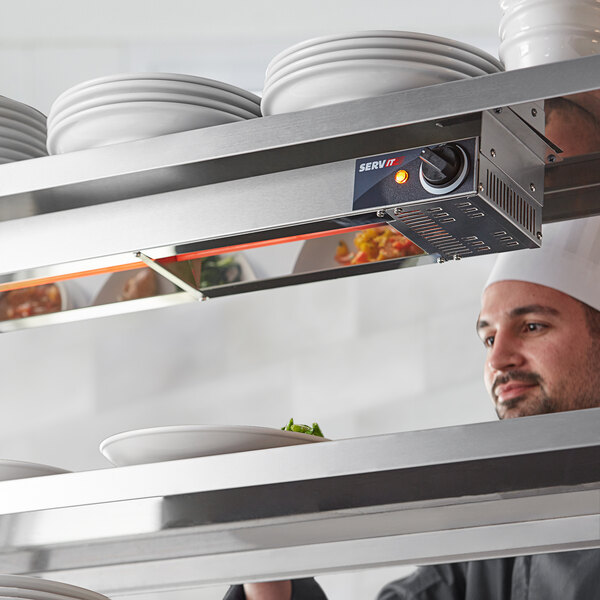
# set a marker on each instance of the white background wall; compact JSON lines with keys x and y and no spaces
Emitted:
{"x":380,"y":353}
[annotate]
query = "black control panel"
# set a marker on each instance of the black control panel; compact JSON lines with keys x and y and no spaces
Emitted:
{"x":417,"y":174}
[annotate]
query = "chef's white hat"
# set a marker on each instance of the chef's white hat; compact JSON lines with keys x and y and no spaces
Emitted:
{"x":568,"y":261}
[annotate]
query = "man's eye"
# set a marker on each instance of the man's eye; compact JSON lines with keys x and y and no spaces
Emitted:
{"x":534,"y":326}
{"x":488,"y":341}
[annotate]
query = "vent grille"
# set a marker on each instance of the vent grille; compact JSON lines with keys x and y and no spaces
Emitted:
{"x":510,"y":202}
{"x":433,"y":233}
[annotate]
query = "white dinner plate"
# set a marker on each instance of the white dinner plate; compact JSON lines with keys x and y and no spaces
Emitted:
{"x":28,"y":585}
{"x":189,"y":441}
{"x":489,"y":64}
{"x":27,"y":147}
{"x":7,"y":155}
{"x":172,"y":77}
{"x":37,"y":131}
{"x":343,"y":81}
{"x":357,"y":36}
{"x":152,"y":86}
{"x":129,"y":121}
{"x":24,"y":109}
{"x":14,"y":593}
{"x":408,"y":56}
{"x":20,"y":117}
{"x":13,"y":135}
{"x":110,"y":99}
{"x":17,"y":469}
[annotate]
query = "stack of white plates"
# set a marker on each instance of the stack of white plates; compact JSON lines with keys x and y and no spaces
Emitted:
{"x":33,"y":588}
{"x":134,"y":106}
{"x":357,"y":65}
{"x":22,"y":131}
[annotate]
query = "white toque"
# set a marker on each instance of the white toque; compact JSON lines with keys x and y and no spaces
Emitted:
{"x":568,"y":261}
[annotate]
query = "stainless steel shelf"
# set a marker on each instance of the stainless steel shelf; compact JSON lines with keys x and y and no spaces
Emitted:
{"x":485,"y":490}
{"x":260,"y":179}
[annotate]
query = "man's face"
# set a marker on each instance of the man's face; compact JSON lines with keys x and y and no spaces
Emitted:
{"x":541,"y":357}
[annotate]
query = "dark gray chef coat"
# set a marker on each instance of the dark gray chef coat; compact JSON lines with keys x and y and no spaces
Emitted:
{"x":573,"y":575}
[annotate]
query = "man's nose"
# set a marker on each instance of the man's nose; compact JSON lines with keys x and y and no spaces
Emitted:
{"x":505,"y":353}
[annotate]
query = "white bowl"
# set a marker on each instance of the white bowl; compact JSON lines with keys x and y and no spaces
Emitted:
{"x":331,"y":83}
{"x":17,"y":469}
{"x":536,"y":15}
{"x":152,"y":86}
{"x":111,"y":99}
{"x":190,"y":441}
{"x":129,"y":121}
{"x":547,"y":45}
{"x":487,"y":63}
{"x":356,"y":38}
{"x":407,"y":56}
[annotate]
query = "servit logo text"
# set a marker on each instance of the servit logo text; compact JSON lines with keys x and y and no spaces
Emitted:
{"x":373,"y":165}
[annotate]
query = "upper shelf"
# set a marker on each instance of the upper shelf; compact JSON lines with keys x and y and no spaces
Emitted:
{"x":485,"y":490}
{"x":282,"y":176}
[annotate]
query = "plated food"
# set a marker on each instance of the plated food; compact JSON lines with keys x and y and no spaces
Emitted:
{"x":27,"y":302}
{"x":375,"y":244}
{"x":177,"y":442}
{"x":306,"y":429}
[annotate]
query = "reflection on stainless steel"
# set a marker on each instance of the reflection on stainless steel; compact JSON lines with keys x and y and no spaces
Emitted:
{"x":288,"y":175}
{"x":485,"y":490}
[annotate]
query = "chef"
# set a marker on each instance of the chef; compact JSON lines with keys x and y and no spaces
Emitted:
{"x":540,"y":325}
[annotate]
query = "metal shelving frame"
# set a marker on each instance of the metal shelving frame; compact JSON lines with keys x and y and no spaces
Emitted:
{"x":476,"y":491}
{"x":255,"y":180}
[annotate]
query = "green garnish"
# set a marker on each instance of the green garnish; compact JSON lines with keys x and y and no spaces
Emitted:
{"x":298,"y":428}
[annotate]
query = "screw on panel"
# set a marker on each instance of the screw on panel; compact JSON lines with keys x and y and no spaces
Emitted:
{"x":480,"y":187}
{"x":456,"y":257}
{"x":381,"y":214}
{"x":551,"y":158}
{"x":441,"y":260}
{"x":497,"y":110}
{"x":534,"y":112}
{"x":397,"y":210}
{"x":532,"y":187}
{"x":539,"y":235}
{"x":493,"y":153}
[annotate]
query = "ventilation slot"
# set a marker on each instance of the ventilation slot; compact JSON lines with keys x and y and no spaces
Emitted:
{"x":510,"y":202}
{"x":433,"y":233}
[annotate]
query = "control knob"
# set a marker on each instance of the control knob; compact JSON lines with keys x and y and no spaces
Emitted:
{"x":443,"y":168}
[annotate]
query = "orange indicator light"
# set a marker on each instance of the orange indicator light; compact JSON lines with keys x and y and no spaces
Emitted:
{"x":401,"y":176}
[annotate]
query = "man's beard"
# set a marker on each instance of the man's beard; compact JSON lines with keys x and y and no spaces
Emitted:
{"x":567,"y":395}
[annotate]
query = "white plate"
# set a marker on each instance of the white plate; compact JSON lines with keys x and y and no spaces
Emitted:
{"x":152,"y":86}
{"x":37,"y":132}
{"x":409,"y":56}
{"x":110,"y":99}
{"x":489,"y":64}
{"x":24,"y":109}
{"x":14,"y":593}
{"x":331,"y":83}
{"x":172,"y":77}
{"x":17,"y":469}
{"x":129,"y":121}
{"x":189,"y":441}
{"x":27,"y":147}
{"x":357,"y":36}
{"x":36,"y":584}
{"x":20,"y":117}
{"x":7,"y":155}
{"x":113,"y":288}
